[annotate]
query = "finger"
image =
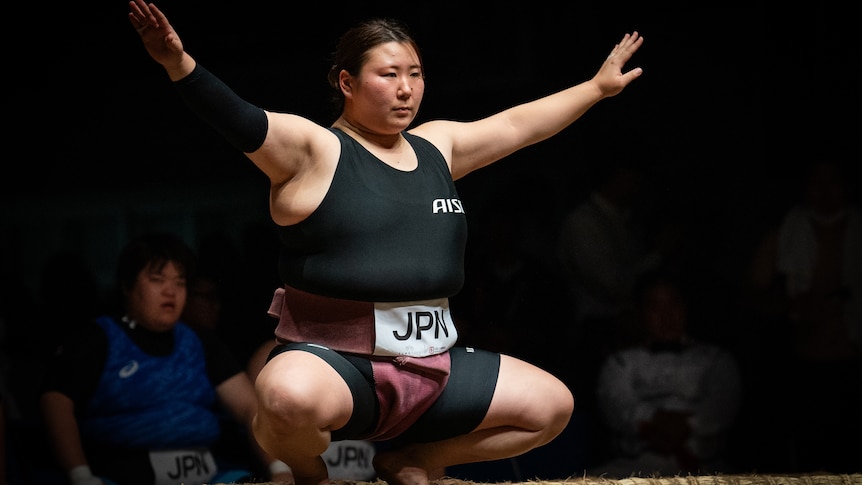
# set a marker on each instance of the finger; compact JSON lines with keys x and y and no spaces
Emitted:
{"x":632,"y":75}
{"x":621,"y":45}
{"x":630,"y":37}
{"x":137,"y":17}
{"x":135,"y":10}
{"x":627,"y":47}
{"x":158,"y":17}
{"x":139,"y":24}
{"x":635,"y":44}
{"x":633,"y":41}
{"x":626,"y":37}
{"x":140,"y":10}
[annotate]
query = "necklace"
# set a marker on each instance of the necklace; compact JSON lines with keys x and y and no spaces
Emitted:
{"x":129,"y":321}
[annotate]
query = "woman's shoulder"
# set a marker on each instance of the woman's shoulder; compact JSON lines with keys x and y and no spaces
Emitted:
{"x":433,"y":131}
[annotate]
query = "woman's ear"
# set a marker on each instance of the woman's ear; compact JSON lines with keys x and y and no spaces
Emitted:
{"x":345,"y":81}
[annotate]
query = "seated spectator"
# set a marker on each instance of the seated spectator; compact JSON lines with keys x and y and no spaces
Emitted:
{"x":136,"y":398}
{"x":603,"y":245}
{"x":805,"y":287}
{"x":669,"y":400}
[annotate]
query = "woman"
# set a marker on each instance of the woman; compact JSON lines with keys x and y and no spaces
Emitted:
{"x":374,"y":236}
{"x":138,"y":397}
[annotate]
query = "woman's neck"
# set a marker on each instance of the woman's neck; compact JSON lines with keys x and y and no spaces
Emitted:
{"x":385,"y":141}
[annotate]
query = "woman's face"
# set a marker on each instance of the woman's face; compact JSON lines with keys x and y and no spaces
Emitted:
{"x":158,"y":296}
{"x":386,"y":95}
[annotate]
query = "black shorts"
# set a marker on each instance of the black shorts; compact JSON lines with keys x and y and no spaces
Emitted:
{"x":458,"y":410}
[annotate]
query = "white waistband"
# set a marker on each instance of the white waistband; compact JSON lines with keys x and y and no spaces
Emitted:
{"x":416,"y":329}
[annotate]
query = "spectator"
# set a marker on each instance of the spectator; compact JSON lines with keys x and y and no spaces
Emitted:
{"x":806,"y":287}
{"x":135,"y":398}
{"x":669,"y":401}
{"x":602,"y":247}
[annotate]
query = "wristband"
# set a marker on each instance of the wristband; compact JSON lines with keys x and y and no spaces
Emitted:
{"x":81,"y":475}
{"x":278,"y":467}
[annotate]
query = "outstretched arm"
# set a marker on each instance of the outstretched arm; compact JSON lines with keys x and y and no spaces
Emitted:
{"x":540,"y":119}
{"x":241,"y":123}
{"x":479,"y":143}
{"x":280,"y":145}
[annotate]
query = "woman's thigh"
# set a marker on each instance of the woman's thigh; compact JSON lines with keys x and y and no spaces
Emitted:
{"x":331,"y":385}
{"x":527,"y":397}
{"x":464,"y":402}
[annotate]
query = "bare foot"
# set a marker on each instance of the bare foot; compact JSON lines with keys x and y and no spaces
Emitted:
{"x":400,"y":468}
{"x":313,"y":472}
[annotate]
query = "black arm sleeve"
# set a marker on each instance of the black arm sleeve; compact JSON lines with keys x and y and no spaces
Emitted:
{"x":243,"y":124}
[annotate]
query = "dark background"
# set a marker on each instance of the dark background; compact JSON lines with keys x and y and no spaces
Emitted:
{"x":734,"y":99}
{"x":724,"y":87}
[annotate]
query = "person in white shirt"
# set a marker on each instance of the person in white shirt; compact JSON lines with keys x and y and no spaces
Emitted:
{"x":668,"y":401}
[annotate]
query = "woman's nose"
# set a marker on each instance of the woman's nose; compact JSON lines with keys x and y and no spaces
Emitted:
{"x":405,"y":89}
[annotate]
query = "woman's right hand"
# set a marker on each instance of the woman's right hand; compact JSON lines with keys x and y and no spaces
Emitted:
{"x":160,"y":39}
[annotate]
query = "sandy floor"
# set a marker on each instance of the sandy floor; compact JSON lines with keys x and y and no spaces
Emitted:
{"x":854,"y":479}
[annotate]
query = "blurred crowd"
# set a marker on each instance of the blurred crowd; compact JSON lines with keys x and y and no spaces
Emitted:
{"x":688,"y":349}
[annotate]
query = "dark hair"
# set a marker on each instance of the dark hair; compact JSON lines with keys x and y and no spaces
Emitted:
{"x":156,"y":249}
{"x":351,"y":52}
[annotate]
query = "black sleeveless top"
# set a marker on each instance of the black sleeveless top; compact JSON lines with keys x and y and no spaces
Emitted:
{"x":380,"y":234}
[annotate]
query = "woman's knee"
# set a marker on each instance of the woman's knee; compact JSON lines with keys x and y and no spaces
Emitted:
{"x":283,"y":409}
{"x":548,"y":406}
{"x":301,"y":391}
{"x":563,"y":406}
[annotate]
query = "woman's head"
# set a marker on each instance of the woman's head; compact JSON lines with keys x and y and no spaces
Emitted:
{"x":152,"y":272}
{"x":354,"y":50}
